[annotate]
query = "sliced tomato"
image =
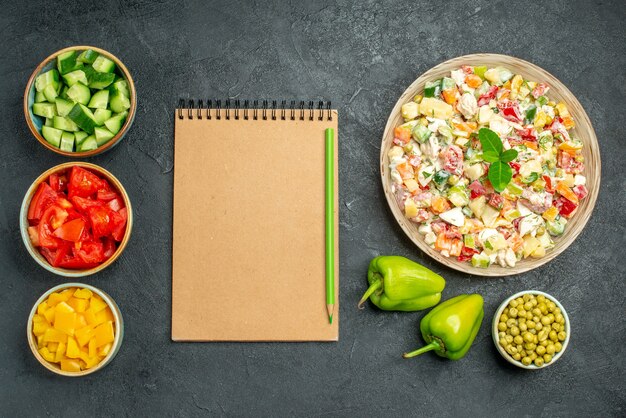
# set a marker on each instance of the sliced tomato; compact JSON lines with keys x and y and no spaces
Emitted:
{"x":549,"y":184}
{"x":566,"y":208}
{"x":118,"y":225}
{"x":56,"y":256}
{"x":116,"y":204}
{"x":467,"y":253}
{"x":106,"y":195}
{"x":83,"y":204}
{"x":33,"y":234}
{"x":83,"y":183}
{"x":51,"y":219}
{"x":71,"y":231}
{"x":43,"y":197}
{"x":109,"y":247}
{"x":90,"y":252}
{"x":54,"y":182}
{"x":100,"y":217}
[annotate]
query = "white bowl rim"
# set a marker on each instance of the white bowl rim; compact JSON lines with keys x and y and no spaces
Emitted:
{"x":494,"y":329}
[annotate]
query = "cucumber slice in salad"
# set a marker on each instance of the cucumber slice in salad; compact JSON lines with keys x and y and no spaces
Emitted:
{"x":83,"y":117}
{"x":119,"y":103}
{"x":87,"y":145}
{"x":52,"y":135}
{"x":66,"y":62}
{"x":63,"y":106}
{"x":115,"y":123}
{"x":50,"y":92}
{"x":100,"y":80}
{"x":65,"y":124}
{"x":48,"y":122}
{"x":49,"y":77}
{"x":101,"y":115}
{"x":80,"y":136}
{"x":103,"y":65}
{"x":46,"y":110}
{"x":88,"y":56}
{"x":67,"y":141}
{"x":79,"y":93}
{"x":99,"y":100}
{"x":102,"y":135}
{"x":40,"y":97}
{"x":75,"y":77}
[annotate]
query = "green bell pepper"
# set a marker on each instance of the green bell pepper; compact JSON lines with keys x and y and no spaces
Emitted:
{"x":451,"y":327}
{"x":399,"y":284}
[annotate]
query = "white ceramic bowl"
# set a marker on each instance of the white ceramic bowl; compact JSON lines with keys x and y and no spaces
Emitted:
{"x":117,"y":342}
{"x":496,"y":320}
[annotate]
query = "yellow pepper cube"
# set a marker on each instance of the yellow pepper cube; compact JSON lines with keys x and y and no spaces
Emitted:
{"x":63,"y":307}
{"x":97,"y":304}
{"x":83,"y":294}
{"x":46,"y":354}
{"x":79,"y":305}
{"x":40,"y":342}
{"x":54,"y":299}
{"x":105,"y":315}
{"x":72,"y":350}
{"x":70,"y":365}
{"x":65,"y":321}
{"x":52,"y":347}
{"x":90,"y":317}
{"x":83,"y":335}
{"x":550,"y":214}
{"x":60,"y":354}
{"x":39,"y":328}
{"x":104,"y":334}
{"x":92,"y":348}
{"x":49,"y":315}
{"x":42,"y":307}
{"x":54,"y":336}
{"x":105,"y":349}
{"x":81,"y":322}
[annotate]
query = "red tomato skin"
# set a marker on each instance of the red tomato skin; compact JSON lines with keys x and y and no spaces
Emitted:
{"x":71,"y":231}
{"x":119,"y":226}
{"x":83,"y":204}
{"x":41,"y":200}
{"x":100,"y":218}
{"x":91,"y":252}
{"x":83,"y":183}
{"x":53,"y":216}
{"x":109,"y":247}
{"x":476,"y":189}
{"x":106,"y":195}
{"x":116,"y":204}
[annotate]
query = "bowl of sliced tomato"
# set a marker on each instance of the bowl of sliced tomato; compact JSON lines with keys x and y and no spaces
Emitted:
{"x":76,"y":219}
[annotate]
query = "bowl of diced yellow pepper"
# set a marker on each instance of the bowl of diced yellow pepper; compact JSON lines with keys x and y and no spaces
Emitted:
{"x":75,"y":329}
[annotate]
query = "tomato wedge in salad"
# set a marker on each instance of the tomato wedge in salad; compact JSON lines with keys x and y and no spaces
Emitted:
{"x":76,"y":219}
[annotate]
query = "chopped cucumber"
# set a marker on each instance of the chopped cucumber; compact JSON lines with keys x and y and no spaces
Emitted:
{"x":79,"y":93}
{"x":63,"y":106}
{"x":66,"y":62}
{"x":99,"y":100}
{"x":87,"y":145}
{"x":50,"y":92}
{"x":52,"y":135}
{"x":103,"y":65}
{"x":83,"y":117}
{"x":119,"y":103}
{"x":63,"y":93}
{"x":100,"y":80}
{"x":115,"y":123}
{"x":40,"y":97}
{"x":75,"y":77}
{"x":80,"y":136}
{"x":48,"y":122}
{"x":67,"y":142}
{"x":120,"y":86}
{"x":49,"y":77}
{"x":101,"y":115}
{"x":65,"y":124}
{"x":102,"y":135}
{"x":88,"y":56}
{"x":46,"y":110}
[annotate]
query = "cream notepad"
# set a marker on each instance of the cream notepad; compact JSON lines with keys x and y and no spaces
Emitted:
{"x":248,"y":229}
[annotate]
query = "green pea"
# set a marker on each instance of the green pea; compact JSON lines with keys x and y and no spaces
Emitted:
{"x":504,"y":318}
{"x":530,"y":346}
{"x":551,"y":306}
{"x":557,"y":311}
{"x":514,"y":331}
{"x":518,"y":339}
{"x":513,"y":303}
{"x":536,"y":312}
{"x":559,"y":318}
{"x":526,"y":361}
{"x":561,"y":335}
{"x":513,"y":313}
{"x":523,"y":326}
{"x":519,"y":300}
{"x":541,"y":298}
{"x":502,"y":342}
{"x":534,"y":302}
{"x":521,"y":313}
{"x":533,"y":355}
{"x":502,"y":326}
{"x":528,"y":306}
{"x":538,"y":361}
{"x":558,"y":347}
{"x":553,"y":336}
{"x":546,"y":320}
{"x":555,"y":326}
{"x":538,"y":326}
{"x":527,"y":297}
{"x":543,"y":335}
{"x":543,"y":308}
{"x":511,"y":322}
{"x":529,"y":316}
{"x":528,"y":337}
{"x":522,"y":353}
{"x":531,"y":324}
{"x":550,"y":349}
{"x":545,"y":343}
{"x":536,"y":319}
{"x":547,"y":358}
{"x":509,"y":339}
{"x":501,"y":334}
{"x":517,"y":356}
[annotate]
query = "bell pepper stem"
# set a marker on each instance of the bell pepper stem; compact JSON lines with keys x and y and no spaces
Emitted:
{"x":373,"y":288}
{"x":432,"y":346}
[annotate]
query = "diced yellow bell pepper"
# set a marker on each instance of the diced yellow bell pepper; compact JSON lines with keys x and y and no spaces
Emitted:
{"x":40,"y":342}
{"x":540,"y":120}
{"x":92,"y":348}
{"x":83,"y":294}
{"x":70,"y":365}
{"x":41,"y":308}
{"x":49,"y":315}
{"x":104,"y":334}
{"x":550,"y":214}
{"x":39,"y":328}
{"x":52,"y":347}
{"x":84,"y":334}
{"x":97,"y":304}
{"x":65,"y":321}
{"x":81,"y":321}
{"x":72,"y":350}
{"x":39,"y":318}
{"x":60,"y":354}
{"x":46,"y":354}
{"x":54,"y":336}
{"x":79,"y":305}
{"x":63,"y":307}
{"x":561,"y":109}
{"x":90,"y":317}
{"x":105,"y":315}
{"x":54,"y":299}
{"x":530,"y":245}
{"x":105,"y":349}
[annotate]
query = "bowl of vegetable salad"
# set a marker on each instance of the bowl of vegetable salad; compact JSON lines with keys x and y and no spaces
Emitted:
{"x":80,"y":101}
{"x":490,"y":164}
{"x":76,"y":219}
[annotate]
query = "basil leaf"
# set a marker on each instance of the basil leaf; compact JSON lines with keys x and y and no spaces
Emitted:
{"x":490,"y":156}
{"x":490,"y":141}
{"x":508,"y":155}
{"x":500,"y":175}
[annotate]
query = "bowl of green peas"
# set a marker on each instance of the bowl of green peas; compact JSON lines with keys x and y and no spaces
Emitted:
{"x":531,"y":329}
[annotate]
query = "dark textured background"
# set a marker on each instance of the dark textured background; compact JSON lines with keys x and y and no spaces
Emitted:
{"x":362,"y":56}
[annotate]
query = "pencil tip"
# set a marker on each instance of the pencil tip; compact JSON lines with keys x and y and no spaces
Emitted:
{"x":330,"y":319}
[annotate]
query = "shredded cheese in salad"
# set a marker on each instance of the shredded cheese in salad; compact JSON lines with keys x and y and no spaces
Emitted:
{"x":440,"y":178}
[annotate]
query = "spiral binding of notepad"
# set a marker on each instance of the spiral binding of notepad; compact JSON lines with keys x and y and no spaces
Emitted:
{"x":254,"y":109}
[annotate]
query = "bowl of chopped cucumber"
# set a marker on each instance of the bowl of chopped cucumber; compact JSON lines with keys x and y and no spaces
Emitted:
{"x":80,"y":101}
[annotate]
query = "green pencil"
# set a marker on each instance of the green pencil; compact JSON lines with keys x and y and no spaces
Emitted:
{"x":330,"y":223}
